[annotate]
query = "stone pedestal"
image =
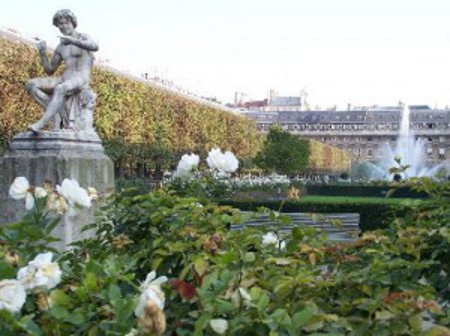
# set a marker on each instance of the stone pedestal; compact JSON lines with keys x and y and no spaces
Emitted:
{"x":54,"y":156}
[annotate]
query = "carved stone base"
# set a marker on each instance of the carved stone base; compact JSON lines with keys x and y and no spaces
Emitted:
{"x":54,"y":156}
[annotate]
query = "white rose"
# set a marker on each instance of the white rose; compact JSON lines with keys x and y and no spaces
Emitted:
{"x":12,"y":295}
{"x":133,"y":332}
{"x":186,"y":166}
{"x":151,"y":291}
{"x":225,"y":162}
{"x":40,"y":192}
{"x":72,"y":191}
{"x":219,"y":326}
{"x":20,"y":189}
{"x":40,"y":274}
{"x":244,"y":294}
{"x":92,"y":193}
{"x":270,"y":238}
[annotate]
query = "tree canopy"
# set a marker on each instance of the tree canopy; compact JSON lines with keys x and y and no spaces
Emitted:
{"x":283,"y":152}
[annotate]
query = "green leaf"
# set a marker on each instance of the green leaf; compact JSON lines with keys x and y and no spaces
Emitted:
{"x":124,"y":308}
{"x":297,"y":234}
{"x":113,"y":292}
{"x":51,"y":226}
{"x":415,"y":321}
{"x":90,"y":281}
{"x":201,"y":266}
{"x":7,"y":271}
{"x":229,"y":257}
{"x":76,"y":317}
{"x":201,"y":324}
{"x":59,"y":298}
{"x":438,"y":331}
{"x":281,"y":317}
{"x":249,"y":257}
{"x":223,"y":307}
{"x":384,"y":315}
{"x":302,"y":317}
{"x":59,"y":312}
{"x":30,"y":326}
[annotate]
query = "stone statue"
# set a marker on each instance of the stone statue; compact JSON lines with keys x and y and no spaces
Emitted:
{"x":68,"y":100}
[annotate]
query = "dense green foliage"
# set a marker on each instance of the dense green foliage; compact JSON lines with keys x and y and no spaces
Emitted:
{"x":128,"y":116}
{"x":361,"y":191}
{"x":283,"y":153}
{"x":391,"y":282}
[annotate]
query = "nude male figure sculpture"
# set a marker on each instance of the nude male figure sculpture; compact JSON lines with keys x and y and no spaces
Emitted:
{"x":52,"y":93}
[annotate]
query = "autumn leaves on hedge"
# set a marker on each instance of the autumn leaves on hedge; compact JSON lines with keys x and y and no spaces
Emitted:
{"x":127,"y":111}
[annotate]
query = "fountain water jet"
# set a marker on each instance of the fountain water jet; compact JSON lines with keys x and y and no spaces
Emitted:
{"x":407,"y":150}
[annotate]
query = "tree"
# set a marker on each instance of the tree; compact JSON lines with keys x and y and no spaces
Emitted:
{"x":283,"y":152}
{"x":161,"y":153}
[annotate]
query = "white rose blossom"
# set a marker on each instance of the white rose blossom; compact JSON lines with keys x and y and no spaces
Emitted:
{"x":151,"y":291}
{"x":40,"y":273}
{"x":12,"y":295}
{"x":40,"y":192}
{"x":220,"y":326}
{"x":74,"y":194}
{"x":186,"y":166}
{"x":270,"y":238}
{"x":133,"y":332}
{"x":21,"y":189}
{"x":224,"y":162}
{"x":244,"y":294}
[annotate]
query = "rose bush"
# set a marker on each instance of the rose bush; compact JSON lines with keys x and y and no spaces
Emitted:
{"x":391,"y":282}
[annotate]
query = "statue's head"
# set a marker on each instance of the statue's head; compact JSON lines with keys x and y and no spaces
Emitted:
{"x":67,"y":14}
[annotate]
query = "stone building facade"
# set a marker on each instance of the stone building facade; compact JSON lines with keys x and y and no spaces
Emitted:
{"x":364,"y":131}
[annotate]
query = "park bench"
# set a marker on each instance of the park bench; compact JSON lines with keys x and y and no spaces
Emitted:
{"x":338,"y":226}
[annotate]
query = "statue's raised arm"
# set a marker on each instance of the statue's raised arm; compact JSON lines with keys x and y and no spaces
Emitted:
{"x":52,"y":66}
{"x":83,"y":41}
{"x":67,"y":99}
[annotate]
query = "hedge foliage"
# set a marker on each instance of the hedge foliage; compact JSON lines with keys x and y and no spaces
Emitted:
{"x":362,"y":191}
{"x":374,"y":213}
{"x":326,"y":158}
{"x":127,"y":112}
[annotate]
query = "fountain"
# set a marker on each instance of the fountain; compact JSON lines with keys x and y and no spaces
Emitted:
{"x":407,"y":151}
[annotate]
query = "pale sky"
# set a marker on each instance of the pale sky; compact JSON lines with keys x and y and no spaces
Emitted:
{"x":363,"y":52}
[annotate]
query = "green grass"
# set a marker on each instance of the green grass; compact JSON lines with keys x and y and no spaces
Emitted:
{"x":361,"y":200}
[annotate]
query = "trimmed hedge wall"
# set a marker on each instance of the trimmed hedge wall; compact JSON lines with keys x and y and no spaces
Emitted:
{"x":127,"y":115}
{"x":361,"y":191}
{"x":373,"y":215}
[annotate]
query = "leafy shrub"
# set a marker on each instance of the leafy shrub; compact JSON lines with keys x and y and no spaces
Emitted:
{"x":362,"y":191}
{"x":391,"y":282}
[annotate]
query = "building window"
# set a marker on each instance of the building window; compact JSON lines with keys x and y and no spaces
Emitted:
{"x":441,"y":139}
{"x":441,"y":153}
{"x":369,"y":153}
{"x":429,"y":152}
{"x":369,"y":139}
